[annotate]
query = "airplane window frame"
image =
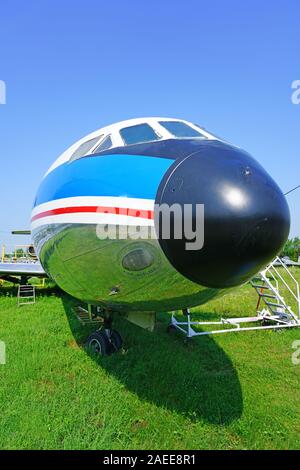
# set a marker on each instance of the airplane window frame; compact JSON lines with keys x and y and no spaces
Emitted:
{"x":155,"y":132}
{"x":211,"y":135}
{"x":199,"y":134}
{"x":75,"y":155}
{"x":96,"y":149}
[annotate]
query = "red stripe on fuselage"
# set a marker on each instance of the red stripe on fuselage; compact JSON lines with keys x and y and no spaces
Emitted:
{"x":142,"y":214}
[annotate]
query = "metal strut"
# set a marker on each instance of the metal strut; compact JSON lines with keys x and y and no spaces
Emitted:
{"x":107,"y":324}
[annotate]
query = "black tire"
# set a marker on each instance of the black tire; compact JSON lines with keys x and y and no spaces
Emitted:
{"x":98,"y":343}
{"x":115,"y":341}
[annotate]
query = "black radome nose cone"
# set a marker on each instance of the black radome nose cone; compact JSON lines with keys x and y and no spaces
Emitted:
{"x":246,"y":216}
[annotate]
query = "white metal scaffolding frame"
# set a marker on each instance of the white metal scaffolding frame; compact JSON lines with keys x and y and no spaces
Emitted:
{"x":276,"y":314}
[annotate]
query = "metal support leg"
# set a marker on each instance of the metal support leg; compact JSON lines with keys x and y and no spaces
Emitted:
{"x":90,"y":311}
{"x":107,"y":326}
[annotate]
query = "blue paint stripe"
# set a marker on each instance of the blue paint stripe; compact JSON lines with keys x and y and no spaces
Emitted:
{"x":109,"y":175}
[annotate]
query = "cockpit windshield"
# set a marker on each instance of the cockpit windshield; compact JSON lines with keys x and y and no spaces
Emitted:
{"x":85,"y":148}
{"x":138,"y":134}
{"x":105,"y":144}
{"x":181,"y":129}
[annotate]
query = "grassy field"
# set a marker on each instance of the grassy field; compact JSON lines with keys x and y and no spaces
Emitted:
{"x":235,"y":391}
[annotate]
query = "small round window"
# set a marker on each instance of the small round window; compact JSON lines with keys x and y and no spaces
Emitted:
{"x":138,"y":259}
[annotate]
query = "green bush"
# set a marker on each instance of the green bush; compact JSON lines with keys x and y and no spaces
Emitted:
{"x":292,"y":248}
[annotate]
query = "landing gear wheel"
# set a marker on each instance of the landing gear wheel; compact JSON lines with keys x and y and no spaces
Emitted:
{"x":116,"y":341}
{"x":98,"y":343}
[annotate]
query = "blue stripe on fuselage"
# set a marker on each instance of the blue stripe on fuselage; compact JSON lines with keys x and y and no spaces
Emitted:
{"x":107,"y":175}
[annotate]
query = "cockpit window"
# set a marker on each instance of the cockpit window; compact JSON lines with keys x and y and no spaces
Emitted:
{"x":85,"y":148}
{"x":104,"y":145}
{"x":211,"y":135}
{"x":180,"y":129}
{"x":139,"y":133}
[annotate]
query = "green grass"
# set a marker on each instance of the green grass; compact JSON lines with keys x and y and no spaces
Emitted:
{"x":235,"y":391}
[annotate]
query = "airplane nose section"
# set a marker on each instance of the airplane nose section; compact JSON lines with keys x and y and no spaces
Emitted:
{"x":246,"y":217}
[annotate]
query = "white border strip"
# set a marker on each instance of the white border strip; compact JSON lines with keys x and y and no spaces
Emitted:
{"x":122,"y":202}
{"x":94,"y":218}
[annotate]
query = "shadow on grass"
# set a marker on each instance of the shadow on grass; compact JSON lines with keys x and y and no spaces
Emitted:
{"x":197,"y":380}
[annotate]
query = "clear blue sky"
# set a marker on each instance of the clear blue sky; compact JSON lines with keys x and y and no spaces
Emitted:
{"x":71,"y":67}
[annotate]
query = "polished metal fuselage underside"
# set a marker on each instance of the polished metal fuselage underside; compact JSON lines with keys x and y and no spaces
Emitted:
{"x":92,"y":270}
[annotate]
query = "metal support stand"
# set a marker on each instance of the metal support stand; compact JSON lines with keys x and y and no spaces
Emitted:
{"x":86,"y":317}
{"x":26,"y":295}
{"x":276,"y":314}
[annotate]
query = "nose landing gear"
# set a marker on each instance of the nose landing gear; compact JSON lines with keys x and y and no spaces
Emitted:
{"x":106,"y":340}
